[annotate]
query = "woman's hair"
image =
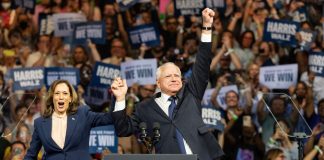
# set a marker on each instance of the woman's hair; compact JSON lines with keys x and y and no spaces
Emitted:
{"x":302,"y":83}
{"x":320,"y":101}
{"x":84,"y":51}
{"x":18,"y":142}
{"x":232,"y":91}
{"x":275,"y":124}
{"x":241,"y":38}
{"x":273,"y":153}
{"x":49,"y":106}
{"x":21,"y":125}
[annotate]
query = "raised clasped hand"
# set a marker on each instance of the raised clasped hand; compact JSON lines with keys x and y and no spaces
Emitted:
{"x":208,"y":17}
{"x":119,"y":88}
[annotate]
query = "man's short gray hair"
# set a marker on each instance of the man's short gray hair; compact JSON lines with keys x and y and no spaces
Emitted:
{"x":161,"y":68}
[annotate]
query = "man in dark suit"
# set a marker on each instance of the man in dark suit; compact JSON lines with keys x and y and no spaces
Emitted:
{"x":177,"y":107}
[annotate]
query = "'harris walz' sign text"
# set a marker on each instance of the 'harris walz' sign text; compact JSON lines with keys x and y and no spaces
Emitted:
{"x":104,"y":74}
{"x":316,"y":63}
{"x":194,"y":7}
{"x":28,"y":78}
{"x":282,"y":32}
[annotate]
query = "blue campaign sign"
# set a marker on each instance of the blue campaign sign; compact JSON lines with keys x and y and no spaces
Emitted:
{"x":102,"y":138}
{"x":97,"y":95}
{"x":308,"y":37}
{"x":28,"y":5}
{"x":103,"y":74}
{"x":189,"y":7}
{"x":45,"y":23}
{"x":215,"y":3}
{"x":194,"y":7}
{"x":300,"y":15}
{"x":54,"y":73}
{"x":316,"y":63}
{"x":148,"y":34}
{"x":281,"y":31}
{"x":212,"y":117}
{"x":125,"y":5}
{"x":96,"y":31}
{"x":27,"y":78}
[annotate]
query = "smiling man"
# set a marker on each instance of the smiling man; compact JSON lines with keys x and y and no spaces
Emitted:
{"x":177,"y":107}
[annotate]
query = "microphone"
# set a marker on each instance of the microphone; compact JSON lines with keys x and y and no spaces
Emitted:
{"x":156,"y":132}
{"x":143,"y":133}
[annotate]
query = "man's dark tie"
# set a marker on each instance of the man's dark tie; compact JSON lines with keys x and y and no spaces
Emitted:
{"x":178,"y":134}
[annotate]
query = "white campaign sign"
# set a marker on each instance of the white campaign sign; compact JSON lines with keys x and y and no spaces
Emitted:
{"x":279,"y":77}
{"x":139,"y":71}
{"x":64,"y":23}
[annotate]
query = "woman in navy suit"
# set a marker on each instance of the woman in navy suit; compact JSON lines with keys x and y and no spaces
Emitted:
{"x":64,"y":128}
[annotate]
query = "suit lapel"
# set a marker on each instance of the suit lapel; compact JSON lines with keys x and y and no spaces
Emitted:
{"x":156,"y":107}
{"x":47,"y":129}
{"x":71,"y":123}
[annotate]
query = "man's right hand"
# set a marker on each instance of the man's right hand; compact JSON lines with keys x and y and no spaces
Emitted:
{"x":119,"y":88}
{"x":207,"y":15}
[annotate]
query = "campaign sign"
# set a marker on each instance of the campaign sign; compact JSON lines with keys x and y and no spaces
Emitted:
{"x":189,"y":7}
{"x":300,"y":15}
{"x":54,"y":73}
{"x":148,"y":34}
{"x":210,"y":115}
{"x":215,"y":3}
{"x":97,"y":95}
{"x":281,"y":32}
{"x":64,"y":23}
{"x":316,"y":63}
{"x":28,"y":5}
{"x":139,"y":71}
{"x":308,"y":37}
{"x":104,"y":74}
{"x":279,"y":77}
{"x":101,"y":138}
{"x":222,"y":93}
{"x":96,"y":31}
{"x":126,"y":4}
{"x":27,"y":78}
{"x":45,"y":22}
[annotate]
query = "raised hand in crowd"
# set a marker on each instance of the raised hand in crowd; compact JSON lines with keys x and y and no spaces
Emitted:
{"x":316,"y":151}
{"x":313,"y":139}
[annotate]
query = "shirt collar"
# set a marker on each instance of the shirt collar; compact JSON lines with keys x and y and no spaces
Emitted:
{"x":58,"y":115}
{"x":164,"y":97}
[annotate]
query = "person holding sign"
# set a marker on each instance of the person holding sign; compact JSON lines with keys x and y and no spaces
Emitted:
{"x":176,"y":108}
{"x":64,"y":128}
